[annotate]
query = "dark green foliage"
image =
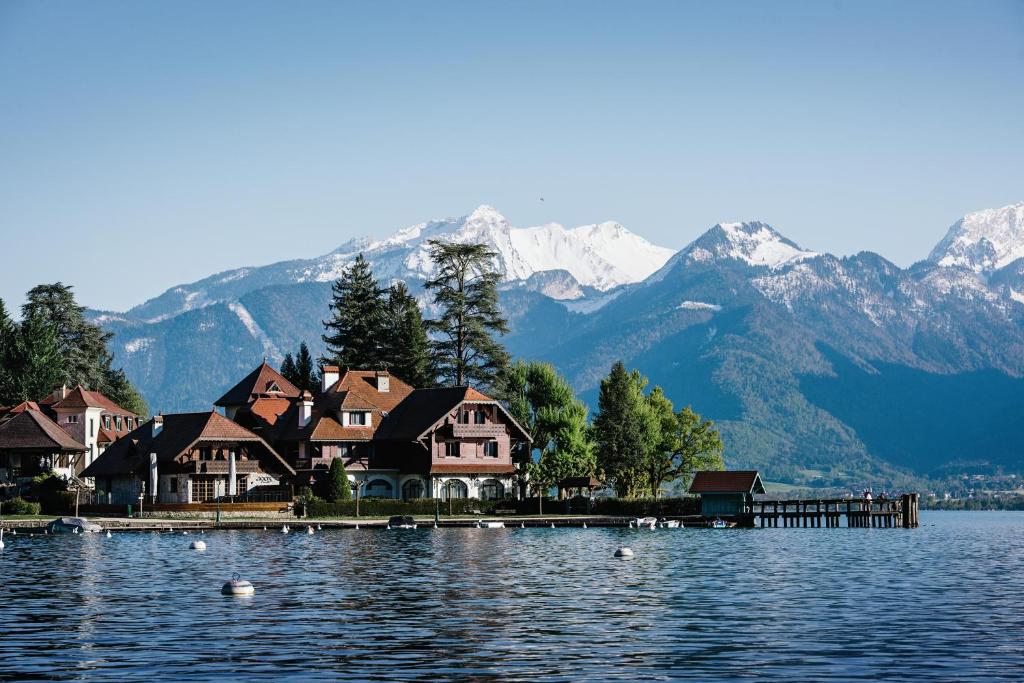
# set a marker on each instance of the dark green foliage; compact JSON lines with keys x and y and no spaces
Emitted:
{"x":306,"y":376}
{"x":626,"y":430}
{"x":686,"y":443}
{"x":338,"y":488}
{"x":19,"y":506}
{"x":353,"y":334}
{"x":54,"y":345}
{"x":465,"y":290}
{"x":644,"y":507}
{"x":405,"y":346}
{"x":287,"y":369}
{"x":543,"y":402}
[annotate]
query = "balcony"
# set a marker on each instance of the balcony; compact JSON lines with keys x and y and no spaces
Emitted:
{"x":476,"y":431}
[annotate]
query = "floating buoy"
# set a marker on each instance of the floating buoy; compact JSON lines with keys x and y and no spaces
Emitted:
{"x":1,"y":538}
{"x":237,"y":586}
{"x":552,"y":525}
{"x":74,"y":531}
{"x":319,"y":528}
{"x":522,"y":525}
{"x":389,"y":527}
{"x":109,"y":535}
{"x":584,"y":525}
{"x":284,"y":528}
{"x":309,"y":530}
{"x":357,"y":526}
{"x":624,"y":552}
{"x":14,"y":532}
{"x":197,"y":545}
{"x":477,"y":525}
{"x":435,"y":525}
{"x":184,"y":533}
{"x":264,"y":528}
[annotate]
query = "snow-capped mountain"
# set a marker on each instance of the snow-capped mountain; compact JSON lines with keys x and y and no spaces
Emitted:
{"x":983,"y":241}
{"x":600,"y":256}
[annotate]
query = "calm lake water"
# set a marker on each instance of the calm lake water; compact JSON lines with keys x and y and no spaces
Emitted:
{"x":942,"y":602}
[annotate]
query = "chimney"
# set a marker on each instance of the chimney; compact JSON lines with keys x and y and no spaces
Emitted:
{"x":158,"y":425}
{"x":330,"y":375}
{"x":383,"y":381}
{"x":60,"y":392}
{"x":305,"y":409}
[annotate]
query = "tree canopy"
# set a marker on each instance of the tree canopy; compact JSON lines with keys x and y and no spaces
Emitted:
{"x":406,"y":348}
{"x":352,"y":335}
{"x":299,"y":369}
{"x":54,"y":344}
{"x":465,"y":288}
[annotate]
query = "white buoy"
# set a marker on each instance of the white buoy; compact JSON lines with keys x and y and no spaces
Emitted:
{"x":584,"y":525}
{"x":14,"y":532}
{"x":1,"y":538}
{"x":197,"y":545}
{"x":319,"y":528}
{"x":389,"y":527}
{"x":357,"y":526}
{"x":109,"y":535}
{"x":522,"y":525}
{"x":284,"y":528}
{"x":75,"y":531}
{"x":184,"y":533}
{"x":552,"y":525}
{"x":477,"y":525}
{"x":624,"y":552}
{"x":435,"y":525}
{"x":309,"y":530}
{"x":264,"y":528}
{"x":237,"y":586}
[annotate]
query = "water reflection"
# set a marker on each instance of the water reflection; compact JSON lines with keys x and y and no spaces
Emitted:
{"x":939,"y":602}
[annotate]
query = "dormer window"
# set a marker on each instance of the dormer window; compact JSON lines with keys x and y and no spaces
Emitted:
{"x":117,"y":423}
{"x":106,"y":422}
{"x":358,"y":419}
{"x":273,"y":388}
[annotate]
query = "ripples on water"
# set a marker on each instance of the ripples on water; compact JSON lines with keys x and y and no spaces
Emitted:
{"x":942,"y":602}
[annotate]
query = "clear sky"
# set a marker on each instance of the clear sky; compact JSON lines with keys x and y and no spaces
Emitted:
{"x":145,"y":144}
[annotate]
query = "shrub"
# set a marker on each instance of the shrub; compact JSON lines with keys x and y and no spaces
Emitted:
{"x":337,"y":483}
{"x":19,"y":506}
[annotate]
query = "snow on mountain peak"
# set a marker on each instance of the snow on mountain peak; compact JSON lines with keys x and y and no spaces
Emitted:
{"x":983,"y":241}
{"x":756,"y":243}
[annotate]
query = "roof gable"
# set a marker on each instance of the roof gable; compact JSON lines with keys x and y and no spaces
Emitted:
{"x":80,"y":398}
{"x":30,"y":429}
{"x":736,"y":481}
{"x":262,"y":381}
{"x":425,"y":408}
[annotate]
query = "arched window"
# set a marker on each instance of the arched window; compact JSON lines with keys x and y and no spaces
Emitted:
{"x":412,"y":489}
{"x":491,"y":489}
{"x":380,"y":488}
{"x":453,"y":488}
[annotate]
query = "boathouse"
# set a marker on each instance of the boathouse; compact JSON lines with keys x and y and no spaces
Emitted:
{"x":726,"y":493}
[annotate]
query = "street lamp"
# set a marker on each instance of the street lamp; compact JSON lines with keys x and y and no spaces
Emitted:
{"x":355,"y":489}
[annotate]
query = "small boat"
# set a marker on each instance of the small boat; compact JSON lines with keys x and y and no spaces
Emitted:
{"x":73,"y":525}
{"x":718,"y":523}
{"x":669,"y":523}
{"x":401,"y":522}
{"x":480,"y":524}
{"x":649,"y":522}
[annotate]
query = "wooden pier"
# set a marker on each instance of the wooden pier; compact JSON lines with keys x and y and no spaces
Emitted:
{"x":859,"y":513}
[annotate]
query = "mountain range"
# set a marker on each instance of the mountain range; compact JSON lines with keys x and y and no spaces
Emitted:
{"x":819,"y":370}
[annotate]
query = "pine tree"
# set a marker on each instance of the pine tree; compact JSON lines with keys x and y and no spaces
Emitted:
{"x":626,"y":430}
{"x":357,"y":309}
{"x":305,"y":375}
{"x":405,"y":347}
{"x":38,"y":359}
{"x":338,"y":485}
{"x":8,"y":340}
{"x":288,"y":369}
{"x":466,"y":292}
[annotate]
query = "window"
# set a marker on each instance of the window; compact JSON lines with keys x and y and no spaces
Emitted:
{"x":463,"y":417}
{"x":205,"y":453}
{"x":357,"y":419}
{"x":412,"y":489}
{"x":453,"y":488}
{"x":491,"y":449}
{"x":480,"y":417}
{"x":117,"y":423}
{"x":72,"y":419}
{"x":380,"y":488}
{"x":174,"y":484}
{"x":128,"y":424}
{"x":451,"y":449}
{"x":92,"y":427}
{"x":491,"y":489}
{"x":106,"y":422}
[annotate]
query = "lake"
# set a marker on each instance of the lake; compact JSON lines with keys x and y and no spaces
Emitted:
{"x":940,"y":602}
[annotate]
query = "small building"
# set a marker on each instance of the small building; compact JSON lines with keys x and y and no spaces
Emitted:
{"x":726,"y":493}
{"x":90,"y":417}
{"x":187,"y":458}
{"x":31,"y":444}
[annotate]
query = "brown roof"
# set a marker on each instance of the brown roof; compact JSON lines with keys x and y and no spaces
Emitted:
{"x":269,"y":409}
{"x":362,"y":384}
{"x":737,"y":481}
{"x":80,"y":397}
{"x":424,"y":408}
{"x":259,"y":382}
{"x":467,"y":468}
{"x":180,"y":433}
{"x":30,"y":429}
{"x":105,"y":436}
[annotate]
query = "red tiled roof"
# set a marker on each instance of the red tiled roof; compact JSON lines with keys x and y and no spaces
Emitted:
{"x":736,"y":481}
{"x":105,"y":436}
{"x":426,"y":407}
{"x":30,"y":429}
{"x":258,"y":383}
{"x":363,"y":383}
{"x":179,"y":434}
{"x":470,"y":468}
{"x":83,"y":398}
{"x":269,"y":409}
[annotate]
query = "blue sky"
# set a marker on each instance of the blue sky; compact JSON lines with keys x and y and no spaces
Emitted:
{"x":145,"y":144}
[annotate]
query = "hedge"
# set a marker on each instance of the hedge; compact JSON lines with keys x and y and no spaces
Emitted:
{"x":385,"y":507}
{"x":19,"y":506}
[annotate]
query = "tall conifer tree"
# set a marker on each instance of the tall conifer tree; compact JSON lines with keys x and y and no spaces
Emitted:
{"x":465,"y":290}
{"x":357,"y":311}
{"x":626,"y":430}
{"x":406,"y":348}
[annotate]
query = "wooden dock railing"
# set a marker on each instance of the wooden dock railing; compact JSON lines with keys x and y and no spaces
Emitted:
{"x":881,"y":513}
